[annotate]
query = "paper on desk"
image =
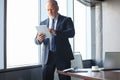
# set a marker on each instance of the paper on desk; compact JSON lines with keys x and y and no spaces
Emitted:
{"x":75,"y":70}
{"x":43,"y":29}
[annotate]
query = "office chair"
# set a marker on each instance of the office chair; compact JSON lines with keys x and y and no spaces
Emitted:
{"x":77,"y":63}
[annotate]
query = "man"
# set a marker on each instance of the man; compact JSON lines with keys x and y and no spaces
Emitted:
{"x":61,"y":55}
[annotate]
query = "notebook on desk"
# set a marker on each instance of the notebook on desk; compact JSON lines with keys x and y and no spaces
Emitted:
{"x":111,"y":61}
{"x":75,"y":70}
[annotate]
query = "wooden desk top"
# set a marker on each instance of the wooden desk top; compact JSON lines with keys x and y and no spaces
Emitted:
{"x":101,"y":75}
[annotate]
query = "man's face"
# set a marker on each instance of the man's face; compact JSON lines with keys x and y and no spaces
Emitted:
{"x":52,"y":9}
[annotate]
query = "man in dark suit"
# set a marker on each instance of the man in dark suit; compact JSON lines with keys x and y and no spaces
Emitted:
{"x":60,"y":55}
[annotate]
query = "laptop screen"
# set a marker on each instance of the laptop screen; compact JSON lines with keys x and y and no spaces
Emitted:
{"x":112,"y":60}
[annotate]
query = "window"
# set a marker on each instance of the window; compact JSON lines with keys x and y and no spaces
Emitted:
{"x":62,"y":7}
{"x":80,"y":28}
{"x":22,"y":17}
{"x":21,"y":21}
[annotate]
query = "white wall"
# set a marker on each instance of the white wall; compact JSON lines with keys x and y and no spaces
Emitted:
{"x":111,"y":26}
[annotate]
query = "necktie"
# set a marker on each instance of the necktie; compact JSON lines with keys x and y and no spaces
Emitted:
{"x":53,"y":38}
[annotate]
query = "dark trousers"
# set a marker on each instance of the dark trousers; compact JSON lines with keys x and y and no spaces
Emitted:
{"x":53,"y":63}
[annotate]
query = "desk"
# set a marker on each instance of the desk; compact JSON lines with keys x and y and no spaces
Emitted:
{"x":101,"y":75}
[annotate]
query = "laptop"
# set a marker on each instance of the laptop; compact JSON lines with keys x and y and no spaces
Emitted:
{"x":111,"y":61}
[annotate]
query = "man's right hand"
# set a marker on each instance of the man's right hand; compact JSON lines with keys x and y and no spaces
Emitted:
{"x":40,"y":36}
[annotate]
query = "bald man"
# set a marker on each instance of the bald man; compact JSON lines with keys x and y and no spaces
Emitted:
{"x":58,"y":57}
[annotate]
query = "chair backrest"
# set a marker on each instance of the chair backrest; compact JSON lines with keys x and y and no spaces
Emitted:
{"x":77,"y":62}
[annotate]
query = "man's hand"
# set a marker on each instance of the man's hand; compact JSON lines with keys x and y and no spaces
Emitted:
{"x":52,"y":31}
{"x":40,"y":36}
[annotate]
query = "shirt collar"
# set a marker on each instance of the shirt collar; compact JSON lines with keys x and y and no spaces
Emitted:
{"x":55,"y":18}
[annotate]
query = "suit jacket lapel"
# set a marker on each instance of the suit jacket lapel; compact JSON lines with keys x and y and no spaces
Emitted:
{"x":47,"y":21}
{"x":58,"y":22}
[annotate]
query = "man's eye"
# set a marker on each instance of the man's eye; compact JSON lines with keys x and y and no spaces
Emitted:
{"x":50,"y":9}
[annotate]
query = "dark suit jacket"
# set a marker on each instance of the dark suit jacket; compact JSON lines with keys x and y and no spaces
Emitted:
{"x":64,"y":31}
